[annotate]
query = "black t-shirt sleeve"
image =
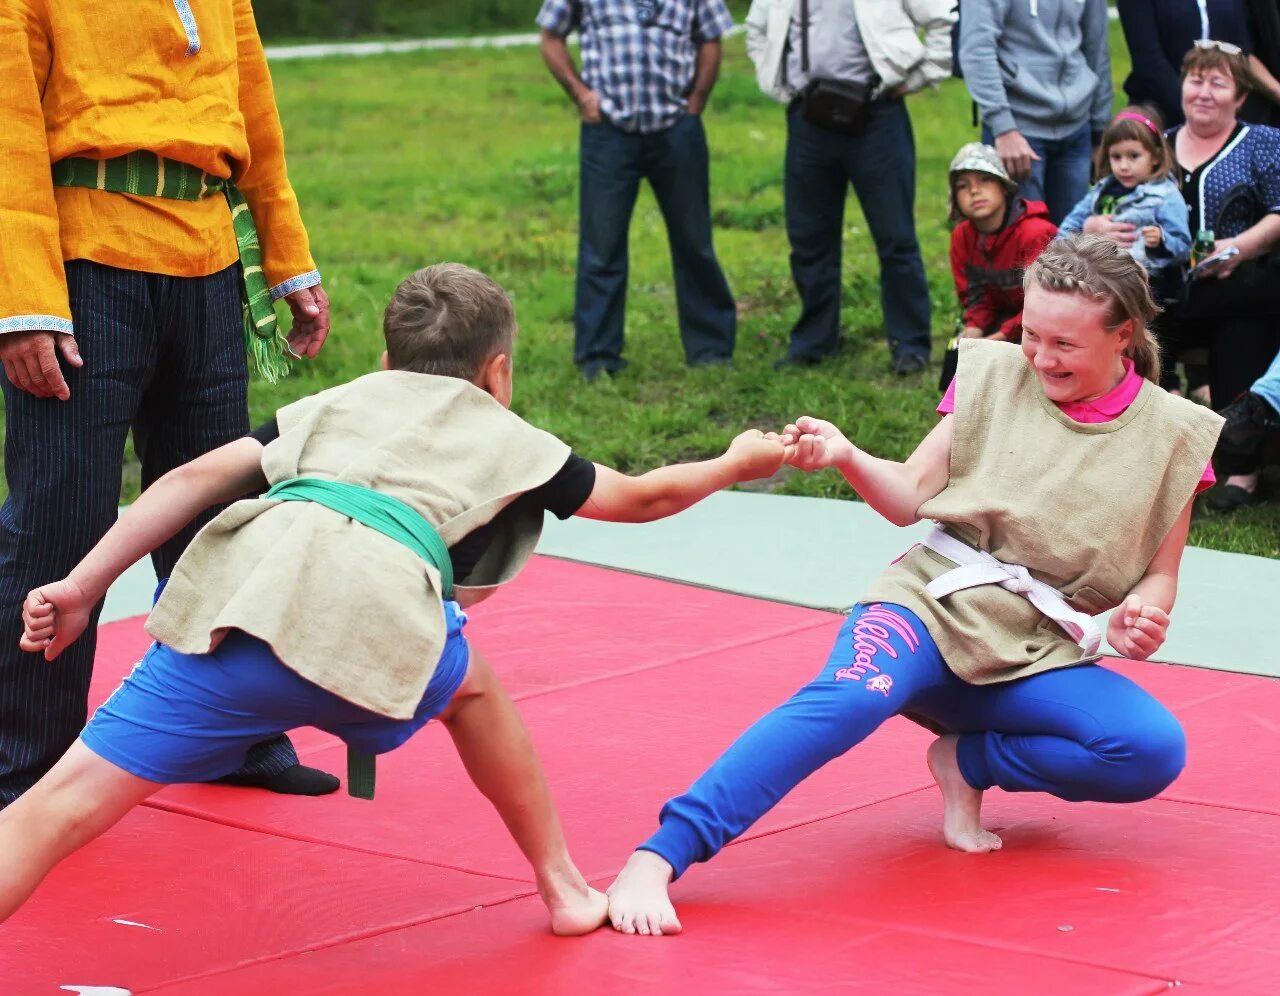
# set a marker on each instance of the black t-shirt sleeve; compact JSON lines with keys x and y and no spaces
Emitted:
{"x":267,"y":432}
{"x":569,"y":490}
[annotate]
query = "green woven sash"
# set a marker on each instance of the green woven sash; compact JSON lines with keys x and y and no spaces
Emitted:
{"x":148,"y":175}
{"x":393,"y":518}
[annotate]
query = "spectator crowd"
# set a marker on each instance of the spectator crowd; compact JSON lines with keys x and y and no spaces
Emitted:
{"x":1186,"y":177}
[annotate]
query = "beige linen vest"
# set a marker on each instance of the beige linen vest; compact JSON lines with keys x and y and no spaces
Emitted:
{"x":1083,"y":507}
{"x":345,"y":606}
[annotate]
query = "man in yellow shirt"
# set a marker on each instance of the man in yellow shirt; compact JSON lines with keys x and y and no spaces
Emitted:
{"x":133,"y":281}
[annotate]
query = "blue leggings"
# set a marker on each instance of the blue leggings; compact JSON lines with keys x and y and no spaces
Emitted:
{"x":1082,"y":733}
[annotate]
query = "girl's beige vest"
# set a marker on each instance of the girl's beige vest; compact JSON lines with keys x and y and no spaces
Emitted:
{"x":346,"y":607}
{"x":1083,"y":507}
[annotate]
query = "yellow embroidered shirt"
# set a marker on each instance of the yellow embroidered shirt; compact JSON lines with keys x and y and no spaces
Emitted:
{"x":86,"y":78}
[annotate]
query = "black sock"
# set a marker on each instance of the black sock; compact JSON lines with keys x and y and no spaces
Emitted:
{"x":297,"y":780}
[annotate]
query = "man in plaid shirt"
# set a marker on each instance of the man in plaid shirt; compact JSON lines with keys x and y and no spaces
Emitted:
{"x":648,"y":67}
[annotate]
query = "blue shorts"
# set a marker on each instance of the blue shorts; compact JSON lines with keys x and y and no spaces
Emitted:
{"x":191,"y":717}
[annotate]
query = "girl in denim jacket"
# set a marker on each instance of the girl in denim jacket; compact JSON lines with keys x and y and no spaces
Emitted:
{"x":1137,"y":188}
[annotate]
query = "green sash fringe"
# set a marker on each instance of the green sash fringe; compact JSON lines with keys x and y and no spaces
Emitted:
{"x":147,"y":175}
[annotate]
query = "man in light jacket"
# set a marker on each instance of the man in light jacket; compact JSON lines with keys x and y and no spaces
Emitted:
{"x":893,"y":48}
{"x":1040,"y":73}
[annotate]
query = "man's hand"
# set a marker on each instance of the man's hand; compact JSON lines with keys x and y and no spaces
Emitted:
{"x":53,"y":616}
{"x":1016,"y":154}
{"x":971,"y":332}
{"x":1152,"y":236}
{"x":1118,"y":231}
{"x":31,"y":361}
{"x":697,"y":102}
{"x":589,"y":105}
{"x":756,"y":454}
{"x":1135,"y":630}
{"x":310,"y":307}
{"x":813,"y":444}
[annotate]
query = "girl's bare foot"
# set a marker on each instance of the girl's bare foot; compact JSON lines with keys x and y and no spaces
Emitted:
{"x":575,"y":907}
{"x":962,"y":803}
{"x":638,"y":900}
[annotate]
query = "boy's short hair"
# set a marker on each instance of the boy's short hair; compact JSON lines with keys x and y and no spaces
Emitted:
{"x":447,"y":319}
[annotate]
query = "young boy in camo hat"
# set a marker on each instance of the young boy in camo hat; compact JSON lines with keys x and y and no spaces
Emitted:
{"x":997,"y":235}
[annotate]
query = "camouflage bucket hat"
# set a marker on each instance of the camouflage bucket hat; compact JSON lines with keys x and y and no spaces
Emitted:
{"x":978,"y":158}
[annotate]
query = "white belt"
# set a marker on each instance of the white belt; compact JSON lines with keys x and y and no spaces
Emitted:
{"x":978,"y":567}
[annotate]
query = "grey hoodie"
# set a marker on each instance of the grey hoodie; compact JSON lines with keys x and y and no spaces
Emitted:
{"x":1041,"y":66}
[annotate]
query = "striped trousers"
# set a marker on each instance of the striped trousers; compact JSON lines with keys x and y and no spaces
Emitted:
{"x":164,"y":356}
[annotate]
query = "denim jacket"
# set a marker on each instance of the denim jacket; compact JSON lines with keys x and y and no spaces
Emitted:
{"x":1154,"y":203}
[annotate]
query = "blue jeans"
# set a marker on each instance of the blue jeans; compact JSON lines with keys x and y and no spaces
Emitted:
{"x":1080,"y":733}
{"x":675,"y":162}
{"x":1267,"y":386}
{"x":1061,"y":175}
{"x":164,"y":356}
{"x":881,"y":165}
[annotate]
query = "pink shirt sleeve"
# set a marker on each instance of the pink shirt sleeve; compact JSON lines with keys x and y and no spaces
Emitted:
{"x":1207,"y":480}
{"x":947,"y":406}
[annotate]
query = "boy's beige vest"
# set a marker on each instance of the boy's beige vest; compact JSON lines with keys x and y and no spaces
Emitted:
{"x":346,"y":607}
{"x":1082,"y":507}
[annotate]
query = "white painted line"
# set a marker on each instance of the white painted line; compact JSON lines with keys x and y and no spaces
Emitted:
{"x":134,"y":923}
{"x":97,"y":990}
{"x":280,"y":53}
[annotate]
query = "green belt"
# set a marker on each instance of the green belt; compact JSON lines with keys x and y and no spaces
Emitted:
{"x":393,"y":518}
{"x":148,"y":175}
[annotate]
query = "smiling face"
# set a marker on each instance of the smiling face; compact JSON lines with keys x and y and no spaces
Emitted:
{"x":980,"y":197}
{"x":1210,"y":100}
{"x":1131,"y":162}
{"x":1067,"y":343}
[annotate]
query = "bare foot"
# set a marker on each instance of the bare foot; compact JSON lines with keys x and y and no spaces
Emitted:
{"x":638,"y":900}
{"x":576,"y":911}
{"x":962,"y":803}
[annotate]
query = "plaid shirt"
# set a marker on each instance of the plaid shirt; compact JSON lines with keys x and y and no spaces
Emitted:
{"x":643,"y":73}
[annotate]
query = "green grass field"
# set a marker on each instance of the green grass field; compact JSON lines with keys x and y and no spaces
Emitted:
{"x":403,"y":160}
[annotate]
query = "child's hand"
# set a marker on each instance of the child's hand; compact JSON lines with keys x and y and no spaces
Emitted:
{"x":756,"y":454}
{"x":971,"y":332}
{"x":1135,"y":630}
{"x":1122,"y":232}
{"x":813,"y":444}
{"x":1152,"y":236}
{"x":53,"y":617}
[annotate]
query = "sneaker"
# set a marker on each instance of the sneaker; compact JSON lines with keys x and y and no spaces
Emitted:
{"x":1230,"y":497}
{"x":592,"y":370}
{"x":790,"y":361}
{"x":906,"y":364}
{"x":1249,"y":418}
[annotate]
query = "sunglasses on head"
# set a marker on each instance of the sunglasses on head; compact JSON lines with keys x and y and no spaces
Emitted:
{"x":1225,"y":47}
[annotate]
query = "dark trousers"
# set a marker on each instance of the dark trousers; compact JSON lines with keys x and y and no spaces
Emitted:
{"x":675,"y":162}
{"x":165,"y":356}
{"x":881,"y":165}
{"x":1238,"y":320}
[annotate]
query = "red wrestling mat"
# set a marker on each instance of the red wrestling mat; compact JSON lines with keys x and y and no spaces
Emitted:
{"x":630,"y":686}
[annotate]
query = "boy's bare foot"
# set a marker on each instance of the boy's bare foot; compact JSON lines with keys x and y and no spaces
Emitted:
{"x":638,"y":900}
{"x":962,"y":803}
{"x":576,"y":912}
